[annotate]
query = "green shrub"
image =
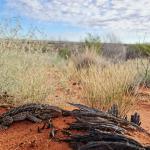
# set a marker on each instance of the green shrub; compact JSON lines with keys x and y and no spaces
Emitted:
{"x":144,"y":49}
{"x":64,"y":53}
{"x":93,"y":43}
{"x":138,"y":50}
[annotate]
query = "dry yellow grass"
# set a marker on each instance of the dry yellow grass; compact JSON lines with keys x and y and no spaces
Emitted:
{"x":31,"y":76}
{"x":105,"y":83}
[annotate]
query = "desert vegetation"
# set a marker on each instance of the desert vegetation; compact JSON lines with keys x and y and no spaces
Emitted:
{"x":105,"y":83}
{"x":43,"y":84}
{"x":30,"y":73}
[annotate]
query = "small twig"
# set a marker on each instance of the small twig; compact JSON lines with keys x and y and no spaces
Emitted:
{"x":52,"y":133}
{"x":39,"y":130}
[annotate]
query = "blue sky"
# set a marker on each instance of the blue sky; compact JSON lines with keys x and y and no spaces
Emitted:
{"x":128,"y":20}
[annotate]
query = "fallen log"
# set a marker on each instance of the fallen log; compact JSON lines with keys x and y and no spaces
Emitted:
{"x":85,"y":111}
{"x":101,"y":136}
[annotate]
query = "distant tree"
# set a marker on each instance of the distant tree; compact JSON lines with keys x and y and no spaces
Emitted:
{"x":93,"y":43}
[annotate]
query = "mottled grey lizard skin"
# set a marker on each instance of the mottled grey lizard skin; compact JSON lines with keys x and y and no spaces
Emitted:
{"x":32,"y":112}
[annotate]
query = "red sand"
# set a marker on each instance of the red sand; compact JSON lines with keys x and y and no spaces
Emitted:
{"x":24,"y":136}
{"x":144,"y":111}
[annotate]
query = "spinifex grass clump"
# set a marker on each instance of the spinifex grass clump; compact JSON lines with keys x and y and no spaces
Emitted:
{"x":24,"y":75}
{"x":112,"y":84}
{"x":85,"y":60}
{"x":25,"y":64}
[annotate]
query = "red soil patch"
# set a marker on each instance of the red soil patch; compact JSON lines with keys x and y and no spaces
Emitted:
{"x":144,"y":110}
{"x":2,"y":110}
{"x":143,"y":107}
{"x":140,"y":137}
{"x":24,"y":136}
